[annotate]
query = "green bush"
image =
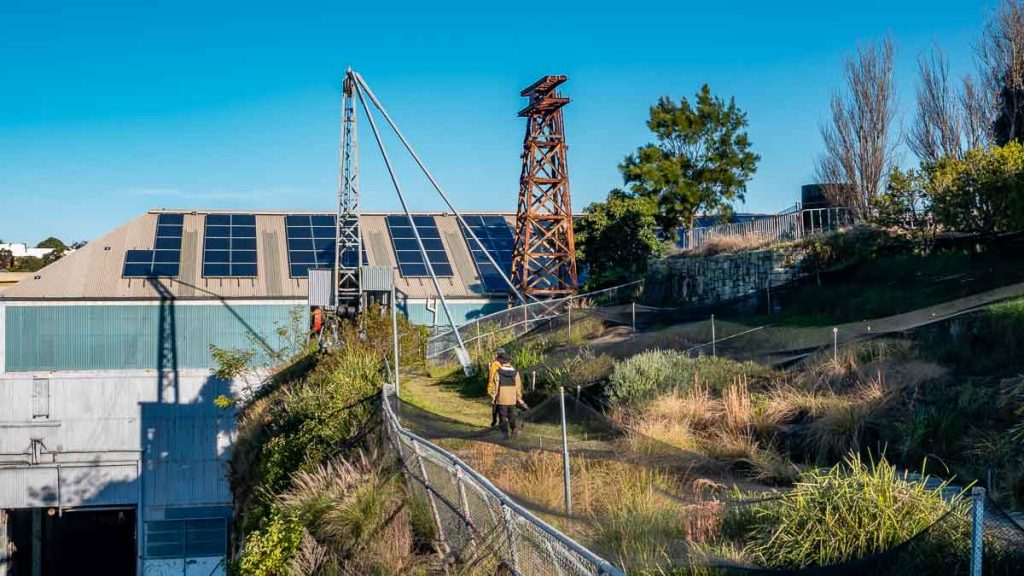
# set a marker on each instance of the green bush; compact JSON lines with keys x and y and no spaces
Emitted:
{"x":849,"y":511}
{"x":267,"y":550}
{"x":645,"y":375}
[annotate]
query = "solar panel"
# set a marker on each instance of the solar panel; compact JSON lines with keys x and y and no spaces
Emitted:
{"x":165,"y":257}
{"x":407,"y":252}
{"x":311,"y":244}
{"x":496,"y":236}
{"x":229,"y":246}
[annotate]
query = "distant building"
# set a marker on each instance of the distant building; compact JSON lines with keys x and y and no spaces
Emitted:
{"x":20,"y":250}
{"x":9,"y":279}
{"x":106,"y":393}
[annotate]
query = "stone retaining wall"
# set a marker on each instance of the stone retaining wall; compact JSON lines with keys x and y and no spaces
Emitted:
{"x":708,"y":280}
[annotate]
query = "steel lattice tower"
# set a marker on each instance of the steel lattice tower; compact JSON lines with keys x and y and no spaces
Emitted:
{"x":544,"y":260}
{"x":347,"y":295}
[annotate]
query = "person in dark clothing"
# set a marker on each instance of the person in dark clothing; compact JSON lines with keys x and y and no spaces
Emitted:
{"x":506,"y":392}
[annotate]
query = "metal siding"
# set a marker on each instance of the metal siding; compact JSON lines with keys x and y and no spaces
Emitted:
{"x":117,"y":337}
{"x":321,"y":287}
{"x":376,"y":278}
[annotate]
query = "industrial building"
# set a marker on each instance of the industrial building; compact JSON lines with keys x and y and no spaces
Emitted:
{"x":112,"y":452}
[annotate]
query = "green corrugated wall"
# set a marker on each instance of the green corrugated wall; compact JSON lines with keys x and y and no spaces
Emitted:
{"x":117,"y":337}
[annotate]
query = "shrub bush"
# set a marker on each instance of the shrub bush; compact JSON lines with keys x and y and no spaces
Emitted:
{"x":641,"y":377}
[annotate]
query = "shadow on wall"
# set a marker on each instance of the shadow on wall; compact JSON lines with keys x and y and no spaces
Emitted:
{"x":180,"y":486}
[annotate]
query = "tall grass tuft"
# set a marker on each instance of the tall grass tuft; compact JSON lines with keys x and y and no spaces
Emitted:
{"x":851,"y":510}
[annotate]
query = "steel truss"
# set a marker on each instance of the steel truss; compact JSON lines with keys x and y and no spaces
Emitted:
{"x":544,"y":260}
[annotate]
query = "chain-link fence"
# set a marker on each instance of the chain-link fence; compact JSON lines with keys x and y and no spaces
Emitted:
{"x":481,"y":530}
{"x":516,"y":321}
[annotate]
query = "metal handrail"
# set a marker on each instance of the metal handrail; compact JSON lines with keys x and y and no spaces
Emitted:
{"x":604,"y":568}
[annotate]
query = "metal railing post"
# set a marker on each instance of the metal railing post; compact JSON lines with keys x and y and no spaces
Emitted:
{"x":510,"y":534}
{"x":977,"y":529}
{"x":714,"y":350}
{"x":464,"y":503}
{"x":429,"y":489}
{"x":633,"y":317}
{"x":565,"y":454}
{"x":835,"y":345}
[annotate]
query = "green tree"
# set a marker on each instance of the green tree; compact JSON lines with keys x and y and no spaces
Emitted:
{"x":982,"y":193}
{"x":904,"y":204}
{"x":55,"y":243}
{"x":616,"y":237}
{"x":701,"y":161}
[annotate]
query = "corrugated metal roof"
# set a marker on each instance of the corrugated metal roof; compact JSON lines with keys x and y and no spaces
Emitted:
{"x":94,"y":272}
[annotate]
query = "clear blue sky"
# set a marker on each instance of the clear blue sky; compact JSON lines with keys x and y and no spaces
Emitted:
{"x":108,"y":111}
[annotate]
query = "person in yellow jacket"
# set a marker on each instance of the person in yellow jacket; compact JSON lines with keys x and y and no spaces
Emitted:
{"x":506,"y":391}
{"x":491,"y":370}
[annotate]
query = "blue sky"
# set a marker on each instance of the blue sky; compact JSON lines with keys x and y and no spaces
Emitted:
{"x":108,"y":110}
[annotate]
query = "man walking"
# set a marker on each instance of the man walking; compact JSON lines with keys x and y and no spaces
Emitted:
{"x":506,"y":392}
{"x":492,"y":369}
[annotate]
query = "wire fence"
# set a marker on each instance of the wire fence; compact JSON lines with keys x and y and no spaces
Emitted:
{"x":481,"y":530}
{"x":779,"y":227}
{"x":517,"y":321}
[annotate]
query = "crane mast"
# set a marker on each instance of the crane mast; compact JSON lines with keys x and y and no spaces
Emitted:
{"x":349,"y":249}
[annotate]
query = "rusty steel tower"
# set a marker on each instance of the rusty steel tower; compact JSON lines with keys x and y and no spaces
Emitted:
{"x":544,"y":260}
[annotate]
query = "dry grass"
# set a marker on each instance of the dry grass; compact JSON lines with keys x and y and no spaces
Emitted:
{"x":727,"y":244}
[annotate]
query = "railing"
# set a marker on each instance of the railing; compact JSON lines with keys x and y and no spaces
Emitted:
{"x":779,"y":227}
{"x":476,"y":523}
{"x":525,"y":317}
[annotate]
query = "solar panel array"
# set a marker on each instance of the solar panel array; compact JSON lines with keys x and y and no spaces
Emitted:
{"x":229,"y":246}
{"x":496,"y":236}
{"x":407,"y":252}
{"x":165,"y":257}
{"x":311,"y":243}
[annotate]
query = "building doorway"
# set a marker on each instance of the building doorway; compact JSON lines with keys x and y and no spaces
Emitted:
{"x":80,"y":541}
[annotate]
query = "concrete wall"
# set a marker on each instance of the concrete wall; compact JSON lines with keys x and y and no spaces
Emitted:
{"x":706,"y":280}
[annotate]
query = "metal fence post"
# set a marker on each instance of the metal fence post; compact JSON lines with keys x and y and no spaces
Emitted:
{"x":714,"y":351}
{"x":565,"y":454}
{"x":633,"y":317}
{"x":835,"y":345}
{"x":429,"y":489}
{"x":569,"y":306}
{"x":464,"y":503}
{"x":510,"y":533}
{"x":977,"y":529}
{"x":394,"y":336}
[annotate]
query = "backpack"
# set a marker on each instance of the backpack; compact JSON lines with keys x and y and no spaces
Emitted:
{"x":506,"y":376}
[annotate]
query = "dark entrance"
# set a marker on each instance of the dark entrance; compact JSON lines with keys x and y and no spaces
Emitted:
{"x":79,"y":541}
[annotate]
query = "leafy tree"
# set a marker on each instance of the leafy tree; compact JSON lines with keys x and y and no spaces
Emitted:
{"x":982,"y":193}
{"x":904,"y":203}
{"x":701,"y":161}
{"x":28,"y":264}
{"x":55,"y":243}
{"x":6,"y":260}
{"x":617,"y":237}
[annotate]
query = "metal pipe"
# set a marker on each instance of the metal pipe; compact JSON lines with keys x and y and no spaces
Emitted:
{"x":977,"y":529}
{"x":714,"y":350}
{"x":412,"y":223}
{"x":565,"y":454}
{"x":394,"y":336}
{"x":430,"y":177}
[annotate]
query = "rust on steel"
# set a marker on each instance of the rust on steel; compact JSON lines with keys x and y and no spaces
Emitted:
{"x":544,"y":259}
